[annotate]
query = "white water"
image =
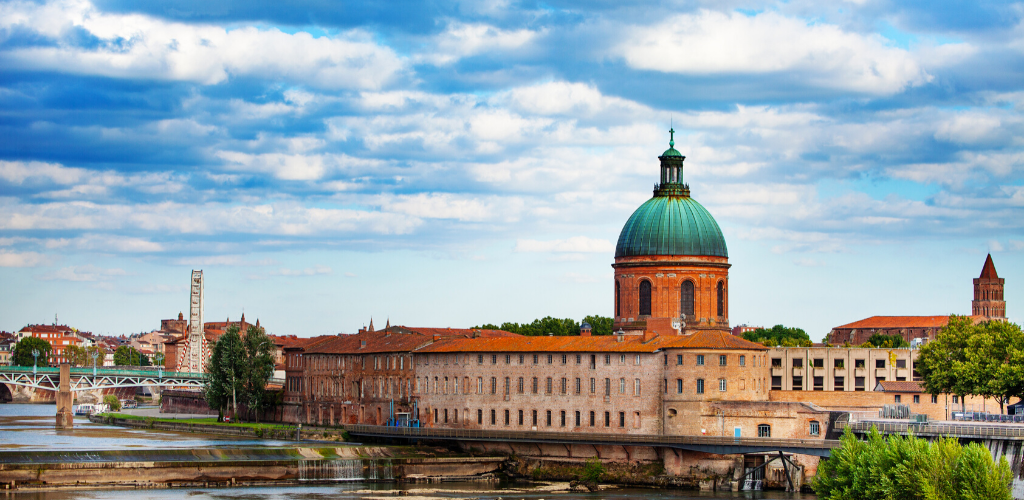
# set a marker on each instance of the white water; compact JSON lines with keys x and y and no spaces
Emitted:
{"x":1014,"y":454}
{"x":345,"y":470}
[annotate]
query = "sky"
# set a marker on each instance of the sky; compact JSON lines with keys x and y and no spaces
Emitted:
{"x":457,"y":163}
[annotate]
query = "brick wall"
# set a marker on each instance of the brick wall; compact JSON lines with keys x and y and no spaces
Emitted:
{"x":873,"y":401}
{"x":836,"y":363}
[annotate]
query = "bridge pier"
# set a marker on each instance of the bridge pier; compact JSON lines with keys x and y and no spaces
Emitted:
{"x":65,"y":400}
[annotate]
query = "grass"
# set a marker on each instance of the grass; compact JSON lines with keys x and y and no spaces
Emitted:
{"x":204,"y":421}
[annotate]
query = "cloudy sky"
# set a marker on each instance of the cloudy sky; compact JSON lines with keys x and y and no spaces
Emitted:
{"x":454,"y":163}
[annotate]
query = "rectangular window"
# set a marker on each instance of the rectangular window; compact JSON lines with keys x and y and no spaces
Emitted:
{"x":592,"y":422}
{"x":917,"y":399}
{"x":494,"y":417}
{"x":819,"y":383}
{"x":622,"y":419}
{"x":579,"y":386}
{"x":520,"y":417}
{"x":565,"y":385}
{"x":764,"y":431}
{"x":578,"y":420}
{"x":897,"y":398}
{"x":839,"y":384}
{"x":494,"y":359}
{"x":935,"y":399}
{"x":534,"y":388}
{"x":494,"y":385}
{"x":550,"y":359}
{"x":819,"y":362}
{"x":547,"y":386}
{"x":622,"y":359}
{"x":607,"y":359}
{"x":534,"y":359}
{"x":637,"y":361}
{"x":879,"y":363}
{"x":593,"y":385}
{"x":776,"y":383}
{"x":607,"y":387}
{"x":776,"y":362}
{"x":700,"y":360}
{"x":901,"y":363}
{"x":956,"y":399}
{"x":815,"y":428}
{"x":561,"y":416}
{"x":679,"y":386}
{"x":722,"y":360}
{"x":798,"y":363}
{"x":700,"y":386}
{"x":622,"y":386}
{"x":535,"y":418}
{"x":721,"y":385}
{"x":579,"y":359}
{"x":607,"y":419}
{"x":521,"y":385}
{"x":636,"y":387}
{"x":679,"y":359}
{"x":508,"y":359}
{"x":858,"y":383}
{"x":548,"y":418}
{"x":507,"y":419}
{"x":480,"y":417}
{"x":858,"y":363}
{"x":521,"y":359}
{"x":480,"y":359}
{"x":565,"y":359}
{"x":743,"y":360}
{"x":798,"y":383}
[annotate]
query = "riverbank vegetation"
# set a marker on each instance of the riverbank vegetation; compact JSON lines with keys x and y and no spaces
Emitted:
{"x":911,"y":468}
{"x":238,"y":371}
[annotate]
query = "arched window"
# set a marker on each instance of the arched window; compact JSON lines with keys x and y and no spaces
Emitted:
{"x":618,"y":301}
{"x":721,"y":298}
{"x":645,"y":298}
{"x":686,"y":298}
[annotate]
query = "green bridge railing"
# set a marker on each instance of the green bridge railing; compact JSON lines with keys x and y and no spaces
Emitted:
{"x":132,"y":372}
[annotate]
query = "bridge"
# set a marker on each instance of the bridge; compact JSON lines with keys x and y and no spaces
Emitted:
{"x":86,"y":379}
{"x":962,"y":430}
{"x":706,"y":444}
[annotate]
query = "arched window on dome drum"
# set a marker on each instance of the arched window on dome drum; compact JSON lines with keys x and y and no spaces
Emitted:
{"x":618,"y":301}
{"x":686,"y":298}
{"x":645,"y":298}
{"x":721,"y":298}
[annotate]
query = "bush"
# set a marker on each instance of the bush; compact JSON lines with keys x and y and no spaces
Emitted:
{"x":908,"y":467}
{"x":592,"y":471}
{"x":112,"y":401}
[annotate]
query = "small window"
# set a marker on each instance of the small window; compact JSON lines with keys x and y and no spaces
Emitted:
{"x":607,"y":359}
{"x":764,"y":431}
{"x":622,"y":419}
{"x":480,"y":417}
{"x":520,"y":417}
{"x":858,"y":383}
{"x":622,"y":359}
{"x":815,"y":428}
{"x":548,"y":386}
{"x":636,"y":387}
{"x":858,"y":363}
{"x":917,"y":399}
{"x":743,"y":360}
{"x":579,"y":359}
{"x":607,"y":419}
{"x":721,"y":385}
{"x":494,"y":417}
{"x":798,"y":383}
{"x":901,"y":363}
{"x":550,"y":359}
{"x":579,"y":420}
{"x":776,"y":383}
{"x":839,"y":384}
{"x":722,"y":360}
{"x":507,"y":418}
{"x":637,"y":361}
{"x":819,"y":383}
{"x":700,"y":360}
{"x":592,"y":420}
{"x":520,"y":359}
{"x":548,"y":420}
{"x":565,"y":358}
{"x":622,"y":386}
{"x":534,"y":359}
{"x":935,"y":399}
{"x":679,"y":386}
{"x":956,"y":399}
{"x":562,"y":418}
{"x":480,"y":359}
{"x":535,"y":418}
{"x":798,"y":363}
{"x":879,"y":363}
{"x":897,"y":398}
{"x":838,"y":363}
{"x":508,"y":359}
{"x":700,"y":386}
{"x":776,"y":362}
{"x":679,"y":359}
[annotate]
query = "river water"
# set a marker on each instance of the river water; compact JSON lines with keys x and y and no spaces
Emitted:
{"x":30,"y":427}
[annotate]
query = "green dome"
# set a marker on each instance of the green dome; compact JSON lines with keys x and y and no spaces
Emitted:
{"x":671,"y":152}
{"x":671,"y":225}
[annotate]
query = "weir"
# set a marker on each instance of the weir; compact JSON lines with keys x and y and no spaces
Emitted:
{"x":346,"y":470}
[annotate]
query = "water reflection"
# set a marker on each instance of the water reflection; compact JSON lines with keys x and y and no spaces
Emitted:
{"x":31,"y":427}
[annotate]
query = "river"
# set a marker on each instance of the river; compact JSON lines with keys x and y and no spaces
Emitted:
{"x":30,"y":427}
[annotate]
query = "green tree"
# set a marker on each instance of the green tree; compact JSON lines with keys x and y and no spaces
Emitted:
{"x":943,"y":363}
{"x":129,"y":356}
{"x":779,"y":335}
{"x":76,"y":355}
{"x":112,"y":401}
{"x":226,"y":371}
{"x":22,"y":354}
{"x":998,"y":360}
{"x":887,"y":341}
{"x":910,"y":468}
{"x":600,"y":325}
{"x":259,"y":367}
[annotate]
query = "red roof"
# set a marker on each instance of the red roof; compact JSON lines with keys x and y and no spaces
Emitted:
{"x":887,"y":322}
{"x":989,"y":271}
{"x":898,"y":386}
{"x":603,"y":343}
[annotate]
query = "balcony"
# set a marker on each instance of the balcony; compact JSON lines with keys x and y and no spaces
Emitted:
{"x":778,"y":371}
{"x":798,"y":372}
{"x":818,"y":372}
{"x":860,"y":372}
{"x":881,"y":372}
{"x":839,"y":372}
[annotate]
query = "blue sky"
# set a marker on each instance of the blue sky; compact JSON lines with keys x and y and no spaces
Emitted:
{"x":454,"y":163}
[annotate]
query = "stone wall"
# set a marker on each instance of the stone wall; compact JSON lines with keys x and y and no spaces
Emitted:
{"x":873,"y":401}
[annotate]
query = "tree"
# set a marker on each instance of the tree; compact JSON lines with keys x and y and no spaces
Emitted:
{"x":76,"y":355}
{"x":600,"y":325}
{"x":112,"y":401}
{"x":128,"y":356}
{"x":908,"y":467}
{"x":999,"y":360}
{"x":258,"y":370}
{"x":22,"y":354}
{"x":887,"y":341}
{"x":225,"y":371}
{"x":943,"y":363}
{"x":779,"y":335}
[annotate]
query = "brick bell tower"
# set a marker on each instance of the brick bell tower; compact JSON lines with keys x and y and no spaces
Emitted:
{"x":671,"y":262}
{"x":988,"y":293}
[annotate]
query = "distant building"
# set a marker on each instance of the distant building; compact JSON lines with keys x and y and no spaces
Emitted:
{"x":988,"y":304}
{"x":7,"y":341}
{"x":60,"y":338}
{"x":739,"y":330}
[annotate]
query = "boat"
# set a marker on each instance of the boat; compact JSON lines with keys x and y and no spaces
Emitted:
{"x":84,"y":410}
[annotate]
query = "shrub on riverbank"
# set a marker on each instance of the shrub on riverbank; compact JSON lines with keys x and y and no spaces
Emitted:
{"x":112,"y":401}
{"x":911,"y":468}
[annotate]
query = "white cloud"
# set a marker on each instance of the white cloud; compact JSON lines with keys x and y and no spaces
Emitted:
{"x":22,"y":259}
{"x":578,"y":244}
{"x":462,"y":40}
{"x":138,"y":46}
{"x":709,"y":42}
{"x":84,"y":273}
{"x":309,"y":271}
{"x":222,"y":260}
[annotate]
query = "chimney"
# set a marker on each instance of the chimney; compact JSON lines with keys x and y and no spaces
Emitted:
{"x":649,"y":335}
{"x":476,"y":334}
{"x":585,"y":329}
{"x":437,"y":337}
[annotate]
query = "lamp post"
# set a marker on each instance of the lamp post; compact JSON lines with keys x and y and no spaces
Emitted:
{"x":35,"y":362}
{"x":95,"y":354}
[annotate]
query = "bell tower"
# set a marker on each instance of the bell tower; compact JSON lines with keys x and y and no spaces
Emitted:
{"x":988,"y":293}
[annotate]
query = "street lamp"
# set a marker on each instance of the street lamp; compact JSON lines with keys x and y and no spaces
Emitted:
{"x":94,"y":355}
{"x":35,"y":362}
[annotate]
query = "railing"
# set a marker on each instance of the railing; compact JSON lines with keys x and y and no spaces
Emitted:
{"x":588,"y":437}
{"x":107,"y":371}
{"x":1015,"y":432}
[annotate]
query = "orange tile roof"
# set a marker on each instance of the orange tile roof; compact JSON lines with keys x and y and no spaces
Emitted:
{"x":899,"y":386}
{"x":603,"y":343}
{"x":886,"y":322}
